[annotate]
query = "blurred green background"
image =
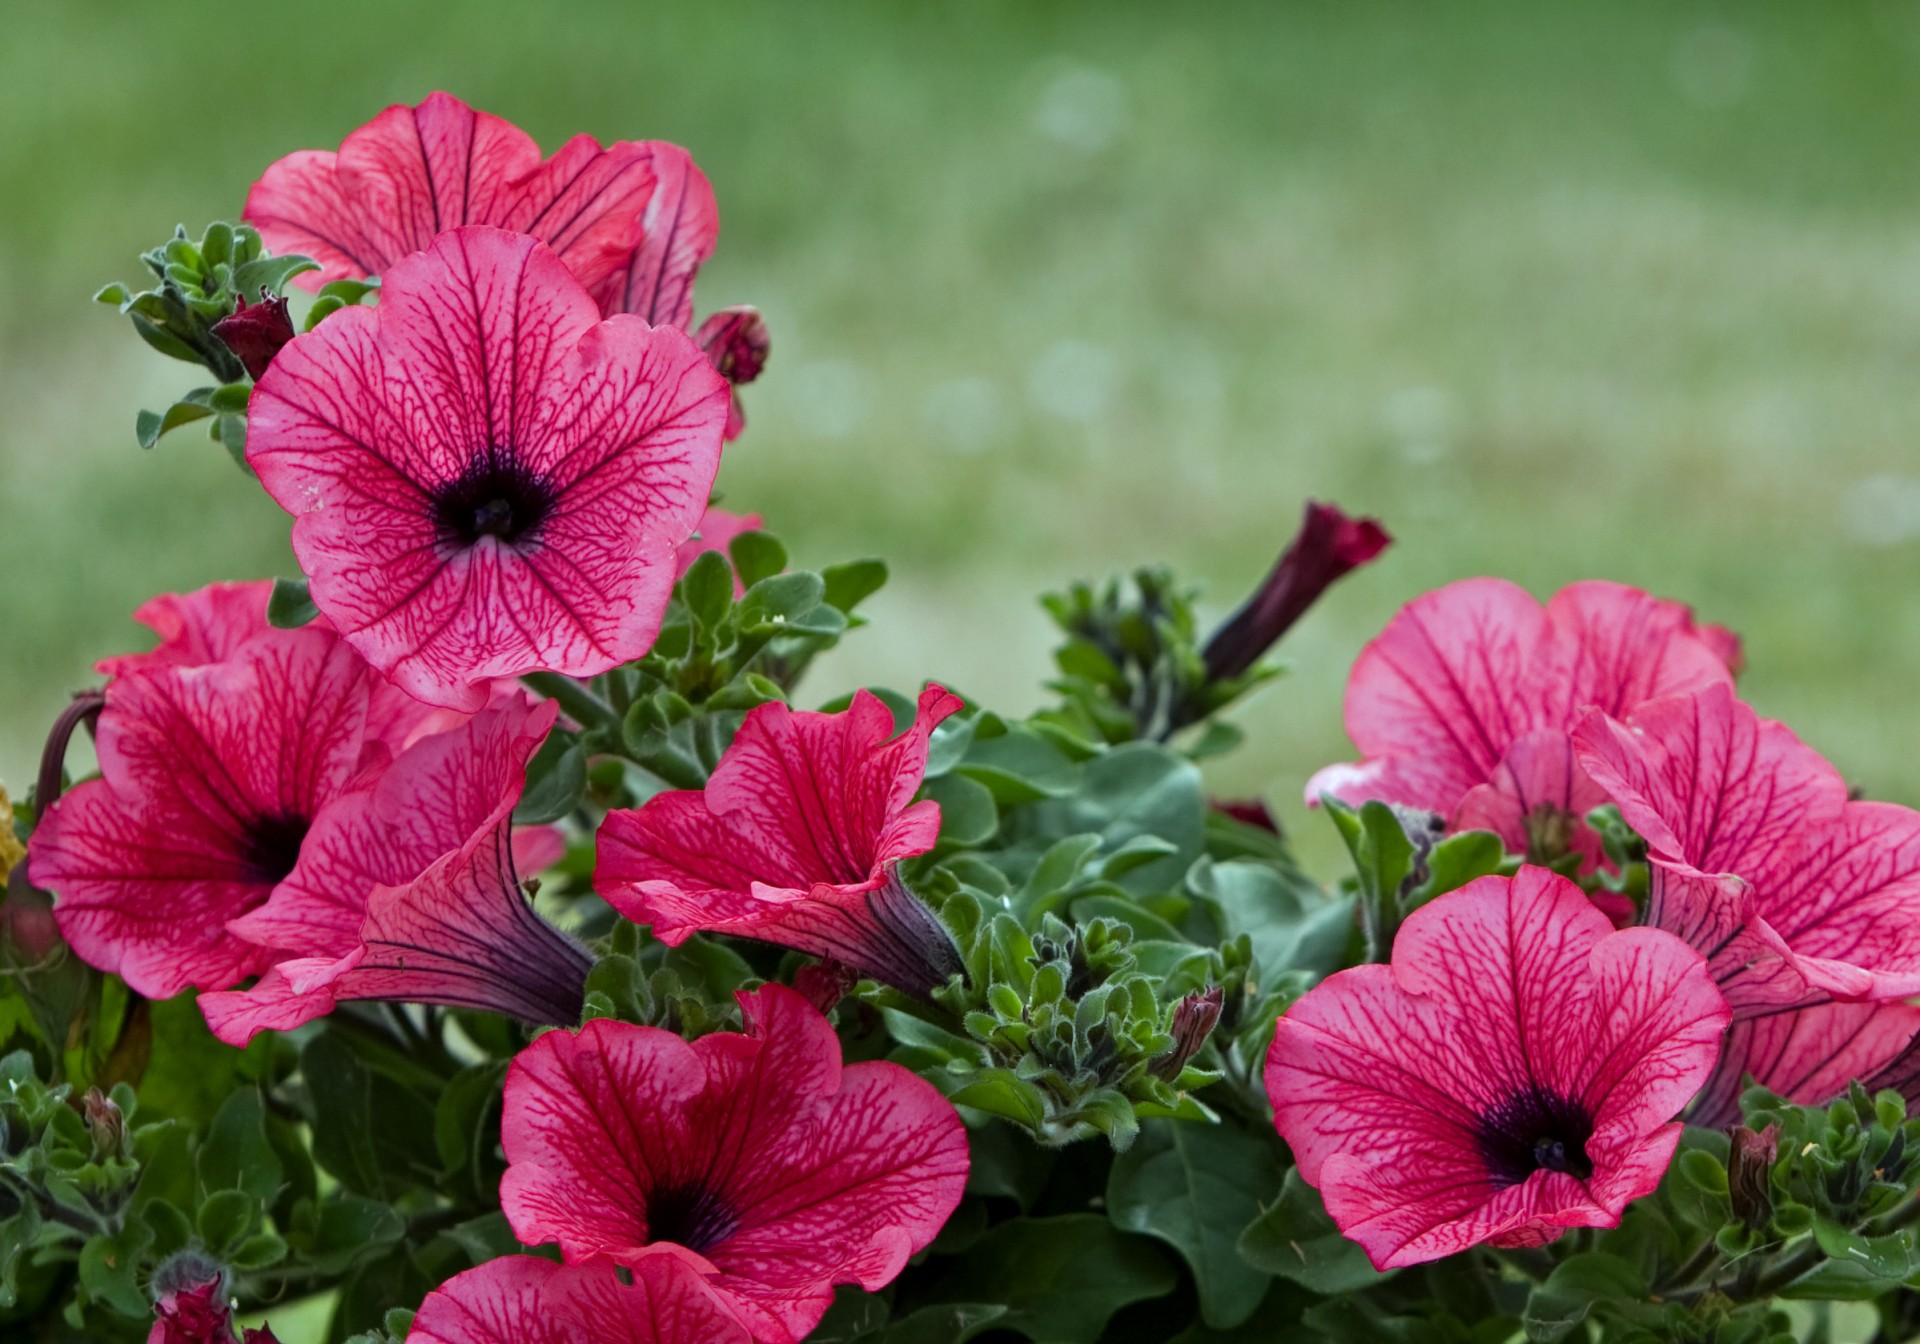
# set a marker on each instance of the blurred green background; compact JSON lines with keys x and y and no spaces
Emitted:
{"x":1627,"y":290}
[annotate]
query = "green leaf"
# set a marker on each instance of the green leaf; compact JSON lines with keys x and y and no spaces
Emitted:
{"x":1295,"y":1239}
{"x":847,"y":586}
{"x":948,"y":1323}
{"x":1576,"y":1285}
{"x":272,"y":273}
{"x":373,"y":1134}
{"x":1459,"y":859}
{"x":707,"y":589}
{"x":1000,"y":1092}
{"x":235,"y":1155}
{"x":968,"y":817}
{"x":1134,"y":790}
{"x":290,"y":606}
{"x":149,"y":426}
{"x":1008,"y":1164}
{"x":1290,"y":922}
{"x":351,"y":1230}
{"x":1858,"y":1267}
{"x":225,"y":1217}
{"x":1060,"y":1279}
{"x":1019,"y":766}
{"x":109,"y":1270}
{"x":556,"y":778}
{"x":774,"y":602}
{"x":1196,"y":1187}
{"x":757,"y":556}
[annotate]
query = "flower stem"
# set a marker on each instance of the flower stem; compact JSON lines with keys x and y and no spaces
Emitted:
{"x":582,"y":705}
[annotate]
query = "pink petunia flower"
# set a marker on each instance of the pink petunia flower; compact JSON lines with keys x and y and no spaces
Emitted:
{"x":795,"y":840}
{"x":485,"y":478}
{"x":1514,"y":1072}
{"x":717,"y":530}
{"x":1809,"y":1055}
{"x":522,"y":1299}
{"x":211,"y":777}
{"x":410,"y":892}
{"x":632,"y":221}
{"x":1464,"y":703}
{"x":1757,"y":856}
{"x":757,"y":1159}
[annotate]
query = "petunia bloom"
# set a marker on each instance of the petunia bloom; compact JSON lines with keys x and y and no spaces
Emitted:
{"x":522,"y":1299}
{"x":1464,"y":703}
{"x":757,"y":1159}
{"x":486,"y":479}
{"x":412,"y":894}
{"x":1810,"y":1054}
{"x":795,"y":840}
{"x":211,"y":777}
{"x":632,"y":221}
{"x":1757,"y":856}
{"x":1328,"y":546}
{"x":1514,"y":1072}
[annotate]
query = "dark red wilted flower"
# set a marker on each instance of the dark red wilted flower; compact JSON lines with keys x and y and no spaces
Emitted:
{"x":1514,"y":1072}
{"x":757,"y":1159}
{"x":256,"y":332}
{"x":1464,"y":703}
{"x":1328,"y":546}
{"x":795,"y":840}
{"x":410,"y":893}
{"x":632,"y":221}
{"x":737,"y":343}
{"x":210,"y":779}
{"x":486,"y":479}
{"x":521,"y":1299}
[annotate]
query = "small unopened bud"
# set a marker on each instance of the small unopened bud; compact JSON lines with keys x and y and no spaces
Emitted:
{"x":1749,"y":1173}
{"x":737,"y":345}
{"x":105,"y":1123}
{"x":1193,"y":1021}
{"x":256,"y":332}
{"x":1328,"y":546}
{"x":28,"y":931}
{"x":1246,"y":811}
{"x":825,"y":983}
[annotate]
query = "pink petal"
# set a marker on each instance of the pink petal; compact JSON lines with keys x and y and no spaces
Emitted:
{"x":204,"y":626}
{"x":414,"y":172}
{"x":521,"y":1299}
{"x":678,"y":231}
{"x":1536,"y":800}
{"x":718,"y":528}
{"x":485,"y":379}
{"x":1806,"y":1055}
{"x":1408,"y":1093}
{"x":786,"y":1173}
{"x":1614,"y":647}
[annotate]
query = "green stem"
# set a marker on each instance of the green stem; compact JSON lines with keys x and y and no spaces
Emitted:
{"x":582,"y":705}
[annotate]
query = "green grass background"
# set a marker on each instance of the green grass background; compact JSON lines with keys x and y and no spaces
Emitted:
{"x":1627,"y":290}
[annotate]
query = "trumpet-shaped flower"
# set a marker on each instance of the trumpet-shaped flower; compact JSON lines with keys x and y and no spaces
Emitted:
{"x":756,"y":1159}
{"x":211,"y":778}
{"x":521,"y":1299}
{"x":1757,"y":857}
{"x":795,"y":840}
{"x":413,"y":894}
{"x":1514,"y":1072}
{"x":485,"y":478}
{"x":1464,"y":703}
{"x":632,"y":221}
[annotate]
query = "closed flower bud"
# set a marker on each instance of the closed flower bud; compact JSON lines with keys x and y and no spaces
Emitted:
{"x":736,"y":342}
{"x":256,"y":332}
{"x":1193,"y":1021}
{"x":1328,"y":546}
{"x":105,"y":1123}
{"x":1749,"y":1173}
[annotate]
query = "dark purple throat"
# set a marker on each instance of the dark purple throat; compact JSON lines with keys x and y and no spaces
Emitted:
{"x":270,"y":847}
{"x":495,"y":497}
{"x":1535,"y":1131}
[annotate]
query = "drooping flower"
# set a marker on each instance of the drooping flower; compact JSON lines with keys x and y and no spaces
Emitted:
{"x":795,"y":840}
{"x":737,"y":344}
{"x":757,"y":1159}
{"x":211,"y":776}
{"x":632,"y":221}
{"x":1514,"y":1072}
{"x":1328,"y":546}
{"x":717,"y":530}
{"x":411,"y":893}
{"x":485,"y":478}
{"x":1757,"y":858}
{"x":1464,"y":703}
{"x":522,"y":1299}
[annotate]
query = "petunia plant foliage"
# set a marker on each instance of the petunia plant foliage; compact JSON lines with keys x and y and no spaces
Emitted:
{"x":488,"y":935}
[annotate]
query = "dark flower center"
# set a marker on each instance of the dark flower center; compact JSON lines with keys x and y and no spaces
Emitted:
{"x":494,"y":497}
{"x":1535,"y":1131}
{"x":271,"y":846}
{"x":689,"y":1214}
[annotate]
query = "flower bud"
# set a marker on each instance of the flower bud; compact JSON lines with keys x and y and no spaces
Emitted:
{"x":1247,"y":811}
{"x":1749,"y":1174}
{"x":105,"y":1123}
{"x":256,"y":332}
{"x":1328,"y":546}
{"x":1193,"y":1021}
{"x":737,"y":344}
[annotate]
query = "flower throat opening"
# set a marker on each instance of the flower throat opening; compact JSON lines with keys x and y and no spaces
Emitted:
{"x":688,"y":1214}
{"x":494,"y":497}
{"x":271,"y":847}
{"x":1535,"y":1131}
